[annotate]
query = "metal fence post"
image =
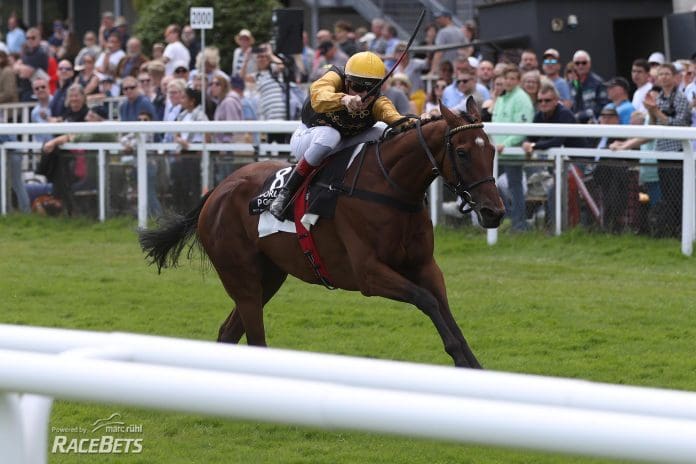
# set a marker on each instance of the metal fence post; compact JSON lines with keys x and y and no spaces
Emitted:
{"x":12,"y":440}
{"x":688,"y":196}
{"x":142,"y":181}
{"x":101,"y":162}
{"x":3,"y":180}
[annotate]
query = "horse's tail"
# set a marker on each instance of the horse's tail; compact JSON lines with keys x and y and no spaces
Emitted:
{"x":162,"y":246}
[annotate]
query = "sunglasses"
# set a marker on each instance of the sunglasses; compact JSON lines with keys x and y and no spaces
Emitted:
{"x":580,"y":63}
{"x":544,"y":100}
{"x":180,"y":70}
{"x":143,"y":80}
{"x":130,"y":87}
{"x":64,"y":69}
{"x":551,"y":61}
{"x":440,"y":87}
{"x":216,"y":83}
{"x":463,"y":81}
{"x":360,"y":88}
{"x":40,"y":87}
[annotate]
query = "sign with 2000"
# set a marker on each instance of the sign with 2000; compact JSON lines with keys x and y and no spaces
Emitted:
{"x":201,"y":18}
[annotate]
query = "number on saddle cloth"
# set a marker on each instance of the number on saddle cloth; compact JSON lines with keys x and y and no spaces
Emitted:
{"x":273,"y":183}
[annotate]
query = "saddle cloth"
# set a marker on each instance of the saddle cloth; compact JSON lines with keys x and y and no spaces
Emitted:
{"x":321,"y":201}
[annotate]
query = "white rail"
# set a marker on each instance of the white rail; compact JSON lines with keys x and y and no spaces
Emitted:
{"x":329,"y":391}
{"x":683,"y":134}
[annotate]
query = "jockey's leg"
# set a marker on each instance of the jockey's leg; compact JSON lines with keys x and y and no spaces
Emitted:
{"x":321,"y":141}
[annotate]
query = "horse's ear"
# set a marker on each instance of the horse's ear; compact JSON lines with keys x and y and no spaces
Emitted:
{"x":449,"y":116}
{"x":472,"y":108}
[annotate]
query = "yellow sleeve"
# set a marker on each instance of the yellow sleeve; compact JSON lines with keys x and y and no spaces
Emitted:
{"x":384,"y":110}
{"x":324,"y":93}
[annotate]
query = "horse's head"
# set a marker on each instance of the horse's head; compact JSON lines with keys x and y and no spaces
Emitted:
{"x":468,"y":165}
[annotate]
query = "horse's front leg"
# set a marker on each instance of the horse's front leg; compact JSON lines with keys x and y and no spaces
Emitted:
{"x":430,"y":277}
{"x":377,"y":279}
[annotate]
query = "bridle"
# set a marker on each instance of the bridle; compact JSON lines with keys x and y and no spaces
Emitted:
{"x":461,"y":189}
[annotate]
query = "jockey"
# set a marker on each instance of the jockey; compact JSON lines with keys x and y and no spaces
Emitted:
{"x":334,"y":110}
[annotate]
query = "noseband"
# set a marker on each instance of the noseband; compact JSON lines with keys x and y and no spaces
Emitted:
{"x":460,"y":189}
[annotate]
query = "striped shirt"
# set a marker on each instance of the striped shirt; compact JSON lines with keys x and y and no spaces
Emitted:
{"x":271,"y":96}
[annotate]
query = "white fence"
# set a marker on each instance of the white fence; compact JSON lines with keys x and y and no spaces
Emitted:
{"x":332,"y":392}
{"x":558,"y":154}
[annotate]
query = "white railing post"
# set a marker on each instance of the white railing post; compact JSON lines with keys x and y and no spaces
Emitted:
{"x":101,"y":162}
{"x":557,"y":193}
{"x":688,"y":199}
{"x":492,"y":234}
{"x":3,"y":180}
{"x":11,"y":430}
{"x":142,"y":181}
{"x":205,"y":170}
{"x":435,"y":200}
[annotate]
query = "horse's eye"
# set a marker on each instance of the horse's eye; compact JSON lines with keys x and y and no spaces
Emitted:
{"x":462,"y":153}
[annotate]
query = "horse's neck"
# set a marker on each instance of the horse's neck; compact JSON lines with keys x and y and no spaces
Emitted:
{"x":407,"y":162}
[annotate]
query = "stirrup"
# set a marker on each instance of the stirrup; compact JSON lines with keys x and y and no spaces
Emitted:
{"x":280,"y":203}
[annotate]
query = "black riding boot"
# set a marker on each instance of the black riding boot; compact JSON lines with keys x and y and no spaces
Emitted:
{"x":277,"y":208}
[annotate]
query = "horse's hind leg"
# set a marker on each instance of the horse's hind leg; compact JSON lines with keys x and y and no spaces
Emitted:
{"x":232,"y":330}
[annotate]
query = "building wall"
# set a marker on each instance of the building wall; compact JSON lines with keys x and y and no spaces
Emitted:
{"x":597,"y":22}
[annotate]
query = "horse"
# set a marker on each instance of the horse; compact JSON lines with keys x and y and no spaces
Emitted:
{"x":371,"y":247}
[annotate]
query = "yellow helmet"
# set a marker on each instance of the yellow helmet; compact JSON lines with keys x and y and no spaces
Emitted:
{"x":365,"y":69}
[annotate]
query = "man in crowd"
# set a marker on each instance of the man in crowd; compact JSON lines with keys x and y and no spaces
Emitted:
{"x":345,"y":38}
{"x":66,"y":76}
{"x":529,"y":61}
{"x":588,"y":93}
{"x":640,"y":74}
{"x":552,"y":69}
{"x":111,"y":56}
{"x":130,"y":64}
{"x":175,"y":50}
{"x":135,"y":103}
{"x":514,"y":105}
{"x":617,"y":91}
{"x":447,"y":34}
{"x":15,"y":35}
{"x":485,"y":73}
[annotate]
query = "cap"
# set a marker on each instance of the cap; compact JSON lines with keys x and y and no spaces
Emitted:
{"x":181,"y":64}
{"x":367,"y":38}
{"x":121,"y":21}
{"x":402,"y":77}
{"x":609,"y":110}
{"x":618,"y":81}
{"x":552,"y":52}
{"x":244,"y":33}
{"x":678,"y":66}
{"x":656,"y":57}
{"x":100,"y":111}
{"x":473,"y":62}
{"x":440,"y":13}
{"x":106,"y":78}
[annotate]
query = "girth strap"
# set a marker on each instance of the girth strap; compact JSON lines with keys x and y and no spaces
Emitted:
{"x":374,"y":197}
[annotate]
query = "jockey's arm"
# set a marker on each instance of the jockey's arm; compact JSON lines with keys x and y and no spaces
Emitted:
{"x":324,"y":93}
{"x":384,"y":110}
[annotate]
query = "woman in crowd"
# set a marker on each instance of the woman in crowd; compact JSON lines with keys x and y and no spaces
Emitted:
{"x":432,"y":104}
{"x":496,"y":91}
{"x":87,"y":77}
{"x":531,"y":81}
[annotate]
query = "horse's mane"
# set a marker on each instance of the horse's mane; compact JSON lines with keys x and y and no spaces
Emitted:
{"x":406,"y":127}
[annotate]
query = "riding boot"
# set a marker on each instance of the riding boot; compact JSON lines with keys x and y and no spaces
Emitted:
{"x":297,"y":177}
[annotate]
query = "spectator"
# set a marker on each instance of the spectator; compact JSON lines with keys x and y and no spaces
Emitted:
{"x":587,"y":92}
{"x":453,"y":96}
{"x":328,"y":55}
{"x":209,"y":61}
{"x":129,"y":65}
{"x":446,"y":71}
{"x":345,"y":37}
{"x":428,"y":39}
{"x":175,"y":51}
{"x":640,"y":74}
{"x":41,"y":113}
{"x":304,"y":63}
{"x":135,"y":102}
{"x":448,"y":34}
{"x":66,"y":76}
{"x":271,"y":94}
{"x":76,"y":104}
{"x":617,"y":91}
{"x":432,"y":104}
{"x":56,"y":39}
{"x":181,"y":70}
{"x":8,"y":94}
{"x":70,"y":48}
{"x":552,"y":69}
{"x":230,"y":108}
{"x":158,"y":51}
{"x":218,"y":89}
{"x":148,"y":91}
{"x":87,"y":76}
{"x":33,"y":54}
{"x":378,"y":45}
{"x":531,"y":81}
{"x":514,"y":105}
{"x":656,"y":59}
{"x":108,"y":61}
{"x":90,"y":47}
{"x":186,"y":178}
{"x":121,"y":26}
{"x":611,"y":176}
{"x":670,"y":108}
{"x":15,"y":35}
{"x":412,"y":67}
{"x":155,"y":69}
{"x":396,"y":91}
{"x":529,"y":61}
{"x":466,"y":84}
{"x":243,"y":62}
{"x":175,"y":92}
{"x":485,"y":74}
{"x":188,"y":38}
{"x":106,"y":27}
{"x":496,"y":91}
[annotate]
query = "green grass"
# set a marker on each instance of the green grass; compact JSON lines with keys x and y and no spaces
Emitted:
{"x":604,"y":308}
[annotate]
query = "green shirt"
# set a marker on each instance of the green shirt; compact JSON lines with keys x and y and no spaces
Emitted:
{"x":514,"y":106}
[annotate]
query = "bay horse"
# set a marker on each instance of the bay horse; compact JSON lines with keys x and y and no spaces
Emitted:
{"x":368,"y":246}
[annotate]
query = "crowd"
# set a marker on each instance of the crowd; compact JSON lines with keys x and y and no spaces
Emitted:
{"x":68,"y":81}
